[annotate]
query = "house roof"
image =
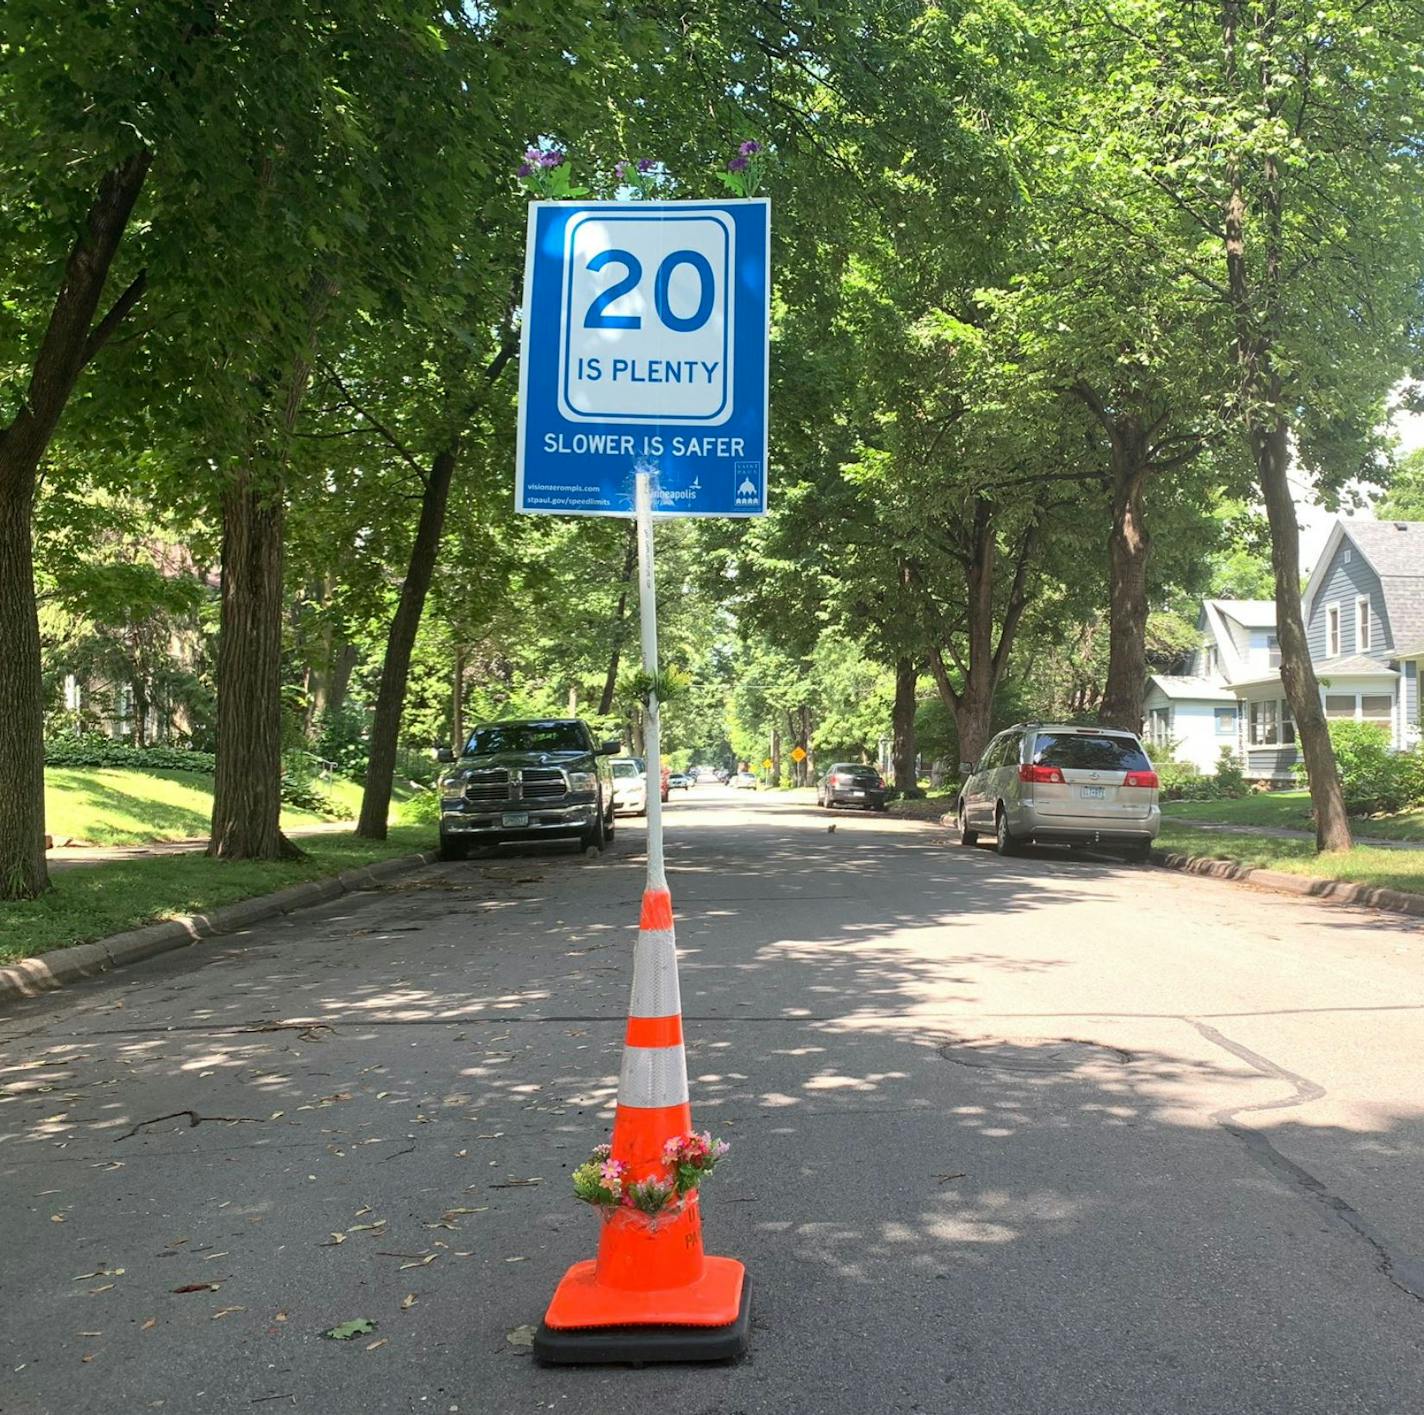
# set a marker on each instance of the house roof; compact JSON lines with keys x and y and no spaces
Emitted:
{"x":1354,"y":665}
{"x":1395,"y":552}
{"x":1178,"y":687}
{"x":1249,"y":613}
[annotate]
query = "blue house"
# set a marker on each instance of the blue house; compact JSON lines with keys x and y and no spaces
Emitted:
{"x":1364,"y":621}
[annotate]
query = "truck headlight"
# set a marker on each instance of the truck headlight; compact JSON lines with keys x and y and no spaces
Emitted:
{"x":582,"y":780}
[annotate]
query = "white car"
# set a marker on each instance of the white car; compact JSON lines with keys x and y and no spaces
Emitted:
{"x":630,"y":787}
{"x":743,"y":781}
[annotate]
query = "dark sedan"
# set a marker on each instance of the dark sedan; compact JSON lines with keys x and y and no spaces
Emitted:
{"x":850,"y":784}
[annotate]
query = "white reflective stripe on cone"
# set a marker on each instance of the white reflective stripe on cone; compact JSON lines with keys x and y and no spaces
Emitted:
{"x":655,"y":991}
{"x":652,"y":1077}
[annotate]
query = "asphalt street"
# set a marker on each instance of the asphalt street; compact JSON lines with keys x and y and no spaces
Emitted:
{"x":1034,"y":1135}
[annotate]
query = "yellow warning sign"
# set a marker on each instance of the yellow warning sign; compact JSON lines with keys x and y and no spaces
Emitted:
{"x":767,"y":764}
{"x":798,"y":754}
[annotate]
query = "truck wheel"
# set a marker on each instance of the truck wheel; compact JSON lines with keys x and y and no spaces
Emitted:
{"x":595,"y":836}
{"x":612,"y":824}
{"x":453,"y":848}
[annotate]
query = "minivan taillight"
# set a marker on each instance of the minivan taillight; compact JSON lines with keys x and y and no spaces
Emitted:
{"x":1048,"y":775}
{"x":1140,"y":778}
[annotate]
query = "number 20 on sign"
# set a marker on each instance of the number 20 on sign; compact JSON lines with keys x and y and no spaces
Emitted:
{"x":645,"y":349}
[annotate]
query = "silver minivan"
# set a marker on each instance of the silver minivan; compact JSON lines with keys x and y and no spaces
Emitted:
{"x":1046,"y":784}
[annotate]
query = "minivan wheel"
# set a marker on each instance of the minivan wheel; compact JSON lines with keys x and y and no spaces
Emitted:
{"x":1138,"y":854}
{"x":966,"y":836}
{"x":1004,"y":843}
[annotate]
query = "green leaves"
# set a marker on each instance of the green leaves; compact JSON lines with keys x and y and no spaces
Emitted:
{"x":347,"y":1331}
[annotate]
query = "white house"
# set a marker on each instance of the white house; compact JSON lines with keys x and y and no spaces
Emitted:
{"x":1194,"y":715}
{"x":1364,"y":621}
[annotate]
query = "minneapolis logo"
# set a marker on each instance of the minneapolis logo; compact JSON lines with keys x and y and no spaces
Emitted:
{"x":747,"y":476}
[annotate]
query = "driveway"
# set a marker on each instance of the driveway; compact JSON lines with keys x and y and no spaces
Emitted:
{"x":1028,"y":1135}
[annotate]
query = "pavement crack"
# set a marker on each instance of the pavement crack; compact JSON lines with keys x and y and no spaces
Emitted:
{"x":1405,"y":1272}
{"x":194,"y":1120}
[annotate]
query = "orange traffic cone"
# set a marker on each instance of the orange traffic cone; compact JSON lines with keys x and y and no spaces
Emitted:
{"x":651,"y":1294}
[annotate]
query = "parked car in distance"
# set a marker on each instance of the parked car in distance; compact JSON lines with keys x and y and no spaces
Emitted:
{"x":744,"y":781}
{"x":679,"y":781}
{"x":526,"y":780}
{"x":722,"y":776}
{"x":630,"y":786}
{"x":704,"y":773}
{"x":851,"y":784}
{"x":1050,"y":784}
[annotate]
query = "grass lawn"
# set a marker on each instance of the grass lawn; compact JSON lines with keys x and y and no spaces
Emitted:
{"x":1291,"y":809}
{"x":117,"y":806}
{"x":1391,"y":869}
{"x":99,"y":900}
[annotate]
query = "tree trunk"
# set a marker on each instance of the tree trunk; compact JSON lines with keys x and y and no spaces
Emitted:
{"x":808,"y":765}
{"x":341,"y":668}
{"x":1128,"y":547}
{"x":457,"y":703}
{"x":395,"y":668}
{"x":70,"y":340}
{"x":775,"y":756}
{"x":140,"y":711}
{"x":247,"y":783}
{"x":1302,"y":688}
{"x":610,"y":681}
{"x":902,"y":751}
{"x":1269,"y":438}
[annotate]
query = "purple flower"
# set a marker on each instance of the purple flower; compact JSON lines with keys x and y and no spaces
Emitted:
{"x":646,"y":164}
{"x":523,"y":170}
{"x":532,"y":156}
{"x":620,"y":171}
{"x":739,"y":164}
{"x":552,"y":159}
{"x":749,"y":147}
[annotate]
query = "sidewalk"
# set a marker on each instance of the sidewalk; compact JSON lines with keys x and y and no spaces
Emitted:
{"x":67,"y":857}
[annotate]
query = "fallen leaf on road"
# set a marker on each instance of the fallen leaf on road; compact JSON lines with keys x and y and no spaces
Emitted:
{"x":419,"y":1262}
{"x":482,"y":1208}
{"x":103,"y":1287}
{"x":516,"y":1260}
{"x":363,"y":1210}
{"x":518,"y":1183}
{"x":407,"y":1302}
{"x":226,"y":1312}
{"x":520,"y":1336}
{"x":98,"y":1272}
{"x":198,"y":1287}
{"x":333,"y":1241}
{"x":208,"y":1257}
{"x":59,"y":1218}
{"x":149,"y":1324}
{"x":86,"y":1358}
{"x":366,"y":1227}
{"x":344,"y":1331}
{"x":91,"y":1333}
{"x":375,"y":1344}
{"x":280,"y":1317}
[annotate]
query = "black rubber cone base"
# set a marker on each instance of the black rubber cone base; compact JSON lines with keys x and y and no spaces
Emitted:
{"x":635,"y":1346}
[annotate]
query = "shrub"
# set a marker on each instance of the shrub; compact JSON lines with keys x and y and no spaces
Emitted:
{"x":1179,"y":781}
{"x":95,"y":750}
{"x":1374,"y":778}
{"x":421,"y":809}
{"x":1230,"y":777}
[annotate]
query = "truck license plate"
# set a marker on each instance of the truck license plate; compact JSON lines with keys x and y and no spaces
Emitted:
{"x":513,"y":820}
{"x":1093,"y":793}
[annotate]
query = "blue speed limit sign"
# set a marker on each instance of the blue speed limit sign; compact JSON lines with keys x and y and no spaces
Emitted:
{"x":645,"y":346}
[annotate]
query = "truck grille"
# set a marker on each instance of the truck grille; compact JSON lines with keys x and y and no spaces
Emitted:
{"x":498,"y":786}
{"x":542,"y":783}
{"x":487,"y":787}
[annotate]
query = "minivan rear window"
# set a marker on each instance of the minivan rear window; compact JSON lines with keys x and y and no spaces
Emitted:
{"x":1086,"y":751}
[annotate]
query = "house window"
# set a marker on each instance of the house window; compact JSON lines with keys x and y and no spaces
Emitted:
{"x":1225,"y":722}
{"x":1332,"y":631}
{"x":1362,"y":623}
{"x":1271,"y":724}
{"x":1209,"y":660}
{"x":1377,"y":707}
{"x":1339,"y":705}
{"x":1159,"y":726}
{"x":1273,"y":651}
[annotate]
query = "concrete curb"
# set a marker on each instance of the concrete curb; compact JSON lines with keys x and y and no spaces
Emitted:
{"x":31,"y":977}
{"x":1338,"y":891}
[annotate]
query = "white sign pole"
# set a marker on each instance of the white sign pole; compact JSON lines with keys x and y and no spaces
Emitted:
{"x":648,"y":621}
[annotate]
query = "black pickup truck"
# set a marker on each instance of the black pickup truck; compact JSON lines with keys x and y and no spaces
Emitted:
{"x":526,"y":780}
